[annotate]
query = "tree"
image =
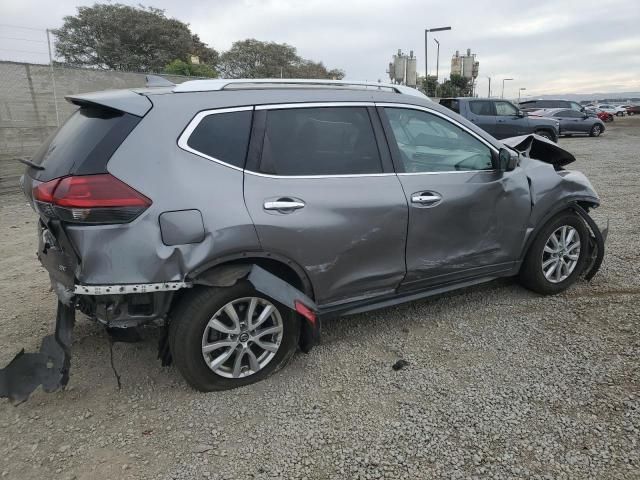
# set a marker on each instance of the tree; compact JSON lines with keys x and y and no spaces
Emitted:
{"x":188,"y":69}
{"x":255,"y":59}
{"x":456,"y":86}
{"x":429,"y":84}
{"x":120,"y":37}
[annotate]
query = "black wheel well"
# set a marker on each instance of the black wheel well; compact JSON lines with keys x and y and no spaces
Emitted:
{"x":282,"y":268}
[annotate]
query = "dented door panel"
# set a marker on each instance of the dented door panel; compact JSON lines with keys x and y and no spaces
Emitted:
{"x":349,"y":236}
{"x":476,"y":229}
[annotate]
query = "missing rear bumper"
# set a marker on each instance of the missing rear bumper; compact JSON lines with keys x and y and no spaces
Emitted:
{"x":49,"y":367}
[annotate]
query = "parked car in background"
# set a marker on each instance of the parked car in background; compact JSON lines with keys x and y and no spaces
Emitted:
{"x":534,"y":105}
{"x":633,"y":110}
{"x":501,"y":118}
{"x":573,"y":122}
{"x":223,"y":229}
{"x":613,"y":109}
{"x":601,"y":114}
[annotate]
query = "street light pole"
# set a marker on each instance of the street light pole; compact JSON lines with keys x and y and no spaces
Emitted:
{"x":426,"y":50}
{"x":504,"y":80}
{"x":489,"y":92}
{"x":520,"y":91}
{"x":437,"y":60}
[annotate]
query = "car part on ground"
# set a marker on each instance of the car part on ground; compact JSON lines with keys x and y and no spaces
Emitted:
{"x":48,"y":368}
{"x":256,"y":227}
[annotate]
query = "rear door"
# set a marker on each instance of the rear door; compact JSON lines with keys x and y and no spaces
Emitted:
{"x":482,"y":113}
{"x":320,"y":188}
{"x":466,"y":220}
{"x":571,"y":121}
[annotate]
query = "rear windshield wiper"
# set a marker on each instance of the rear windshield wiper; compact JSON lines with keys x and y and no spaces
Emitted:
{"x":31,"y":164}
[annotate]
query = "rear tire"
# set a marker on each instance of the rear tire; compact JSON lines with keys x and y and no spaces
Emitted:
{"x":191,"y":333}
{"x":537,"y":272}
{"x":595,"y":131}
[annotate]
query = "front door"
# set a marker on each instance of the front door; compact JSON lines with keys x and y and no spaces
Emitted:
{"x":466,"y":220}
{"x":508,"y":122}
{"x":323,"y":194}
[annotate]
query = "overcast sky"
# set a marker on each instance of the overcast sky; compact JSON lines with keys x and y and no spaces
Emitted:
{"x":547,"y":46}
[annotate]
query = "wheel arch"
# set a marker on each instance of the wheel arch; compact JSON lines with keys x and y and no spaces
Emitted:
{"x":568,"y":203}
{"x":227,"y":270}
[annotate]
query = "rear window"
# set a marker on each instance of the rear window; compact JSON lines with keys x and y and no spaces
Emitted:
{"x":451,"y":104}
{"x":320,"y":141}
{"x":84,"y":144}
{"x":223,"y":136}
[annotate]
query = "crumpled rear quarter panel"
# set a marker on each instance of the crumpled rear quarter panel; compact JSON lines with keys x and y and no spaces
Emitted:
{"x":151,"y":162}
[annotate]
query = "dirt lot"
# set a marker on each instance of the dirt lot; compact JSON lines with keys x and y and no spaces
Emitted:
{"x":501,"y":383}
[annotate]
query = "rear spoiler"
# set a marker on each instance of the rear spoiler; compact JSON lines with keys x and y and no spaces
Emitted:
{"x":123,"y":100}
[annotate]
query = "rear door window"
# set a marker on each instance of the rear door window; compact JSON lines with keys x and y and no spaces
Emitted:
{"x":319,"y":141}
{"x":223,"y":136}
{"x":481,"y":108}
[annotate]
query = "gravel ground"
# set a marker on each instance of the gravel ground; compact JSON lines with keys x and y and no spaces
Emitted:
{"x":500,"y":382}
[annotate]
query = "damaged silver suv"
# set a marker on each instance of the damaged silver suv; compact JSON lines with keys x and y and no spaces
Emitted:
{"x":240,"y":213}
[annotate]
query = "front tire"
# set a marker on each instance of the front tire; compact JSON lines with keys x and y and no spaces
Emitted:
{"x":557,"y":256}
{"x":223,"y":338}
{"x":595,"y":131}
{"x":546,"y":134}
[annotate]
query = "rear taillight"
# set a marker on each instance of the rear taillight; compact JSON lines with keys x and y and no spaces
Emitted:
{"x":92,"y":199}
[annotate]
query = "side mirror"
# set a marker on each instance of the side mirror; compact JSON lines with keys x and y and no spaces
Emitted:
{"x":521,"y":113}
{"x":506,"y":161}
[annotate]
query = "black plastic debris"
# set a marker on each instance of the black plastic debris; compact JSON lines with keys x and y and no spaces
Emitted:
{"x":400,"y":364}
{"x":49,"y":367}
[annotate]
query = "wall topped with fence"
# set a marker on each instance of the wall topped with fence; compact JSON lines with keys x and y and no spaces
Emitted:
{"x":32,"y":106}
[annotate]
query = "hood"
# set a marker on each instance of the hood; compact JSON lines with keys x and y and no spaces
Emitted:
{"x":540,"y":148}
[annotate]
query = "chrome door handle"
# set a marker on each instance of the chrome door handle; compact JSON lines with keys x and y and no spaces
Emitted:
{"x":426,"y":198}
{"x":283,"y":204}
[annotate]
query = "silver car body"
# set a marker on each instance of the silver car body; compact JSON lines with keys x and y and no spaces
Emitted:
{"x":358,"y":237}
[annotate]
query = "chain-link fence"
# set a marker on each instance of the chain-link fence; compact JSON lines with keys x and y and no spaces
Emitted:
{"x":32,"y":103}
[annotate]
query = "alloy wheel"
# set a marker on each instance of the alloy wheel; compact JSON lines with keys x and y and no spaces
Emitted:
{"x":242,"y":337}
{"x":561,"y":254}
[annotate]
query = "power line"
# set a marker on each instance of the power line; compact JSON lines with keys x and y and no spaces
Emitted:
{"x":24,"y":28}
{"x":23,"y":39}
{"x":22,"y":51}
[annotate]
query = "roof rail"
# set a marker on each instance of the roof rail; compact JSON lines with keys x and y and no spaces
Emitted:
{"x":229,"y":84}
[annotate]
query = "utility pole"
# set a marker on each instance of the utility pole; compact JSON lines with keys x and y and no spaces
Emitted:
{"x":519,"y":92}
{"x":426,"y":59}
{"x":437,"y":60}
{"x":53,"y":80}
{"x":489,"y":92}
{"x":504,"y":80}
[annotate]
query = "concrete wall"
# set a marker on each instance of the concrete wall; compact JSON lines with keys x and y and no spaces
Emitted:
{"x":28,"y":107}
